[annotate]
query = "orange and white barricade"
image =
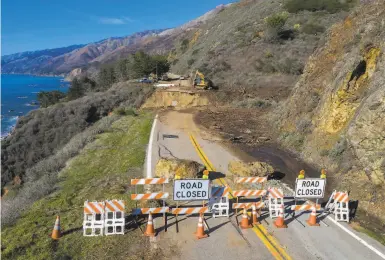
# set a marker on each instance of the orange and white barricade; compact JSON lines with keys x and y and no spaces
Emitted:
{"x":114,"y":221}
{"x":151,"y":196}
{"x":247,"y":205}
{"x":250,"y":179}
{"x":93,"y":222}
{"x":190,"y":211}
{"x":338,"y":203}
{"x":275,"y":201}
{"x":219,"y":201}
{"x":144,"y":211}
{"x":341,"y":208}
{"x":247,"y":193}
{"x":305,"y":207}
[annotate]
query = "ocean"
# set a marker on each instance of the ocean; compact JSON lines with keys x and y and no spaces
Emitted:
{"x":19,"y":96}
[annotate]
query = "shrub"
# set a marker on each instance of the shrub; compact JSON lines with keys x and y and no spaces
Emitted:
{"x":190,"y":62}
{"x":311,"y":28}
{"x":252,"y":103}
{"x":337,"y":151}
{"x":43,"y":132}
{"x":331,"y":6}
{"x":50,"y":98}
{"x":195,"y":51}
{"x":276,"y":21}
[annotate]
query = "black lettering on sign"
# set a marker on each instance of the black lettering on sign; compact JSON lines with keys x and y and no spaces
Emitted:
{"x":188,"y":194}
{"x":182,"y":185}
{"x":200,"y":185}
{"x":204,"y":193}
{"x":188,"y":185}
{"x":199,"y":194}
{"x":178,"y":194}
{"x":317,"y":183}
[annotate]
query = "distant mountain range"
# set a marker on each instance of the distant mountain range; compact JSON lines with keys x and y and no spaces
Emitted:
{"x":61,"y":61}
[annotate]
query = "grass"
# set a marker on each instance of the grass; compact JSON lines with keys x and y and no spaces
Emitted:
{"x":380,"y":238}
{"x":101,"y":171}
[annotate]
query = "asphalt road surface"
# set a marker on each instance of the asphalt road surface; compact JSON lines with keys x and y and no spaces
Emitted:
{"x":226,"y":240}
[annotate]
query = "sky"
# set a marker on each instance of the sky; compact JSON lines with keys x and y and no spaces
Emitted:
{"x":28,"y":25}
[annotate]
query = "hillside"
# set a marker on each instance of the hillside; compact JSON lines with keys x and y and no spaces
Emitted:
{"x":62,"y":60}
{"x":335,"y":117}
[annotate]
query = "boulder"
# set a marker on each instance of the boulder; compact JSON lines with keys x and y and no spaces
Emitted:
{"x":187,"y":169}
{"x":239,"y":168}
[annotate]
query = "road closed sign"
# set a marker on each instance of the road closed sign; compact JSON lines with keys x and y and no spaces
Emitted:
{"x":310,"y":188}
{"x":191,"y":189}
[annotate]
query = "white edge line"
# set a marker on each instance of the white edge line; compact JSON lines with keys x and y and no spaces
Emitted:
{"x":149,"y":150}
{"x":348,"y":231}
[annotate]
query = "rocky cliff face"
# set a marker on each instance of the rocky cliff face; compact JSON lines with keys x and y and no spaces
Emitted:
{"x":335,"y":117}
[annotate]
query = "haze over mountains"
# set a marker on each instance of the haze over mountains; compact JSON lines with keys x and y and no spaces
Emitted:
{"x":60,"y":61}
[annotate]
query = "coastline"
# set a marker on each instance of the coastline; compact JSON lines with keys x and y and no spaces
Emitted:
{"x":16,"y":104}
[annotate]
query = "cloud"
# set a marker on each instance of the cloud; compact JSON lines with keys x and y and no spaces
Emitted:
{"x":114,"y":21}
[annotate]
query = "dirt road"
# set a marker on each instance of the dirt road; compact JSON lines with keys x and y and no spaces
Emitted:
{"x":226,"y":241}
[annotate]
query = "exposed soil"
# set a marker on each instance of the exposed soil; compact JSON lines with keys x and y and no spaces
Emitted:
{"x":246,"y":130}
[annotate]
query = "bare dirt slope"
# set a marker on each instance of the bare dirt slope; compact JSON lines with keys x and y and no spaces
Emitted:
{"x":335,"y":115}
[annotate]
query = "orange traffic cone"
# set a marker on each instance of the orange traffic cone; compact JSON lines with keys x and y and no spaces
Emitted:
{"x":312,"y":221}
{"x":56,"y":229}
{"x":280,"y":221}
{"x":245,"y":223}
{"x":150,"y":231}
{"x":200,"y":229}
{"x":255,"y":216}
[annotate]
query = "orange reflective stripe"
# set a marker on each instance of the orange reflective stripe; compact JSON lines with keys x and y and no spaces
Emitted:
{"x":95,"y":209}
{"x":109,"y":206}
{"x":117,"y":204}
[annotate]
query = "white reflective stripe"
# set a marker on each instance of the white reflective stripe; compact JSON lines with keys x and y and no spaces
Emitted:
{"x":111,"y":203}
{"x":275,"y":193}
{"x":95,"y":204}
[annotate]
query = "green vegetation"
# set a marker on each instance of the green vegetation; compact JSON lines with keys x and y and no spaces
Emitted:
{"x":276,"y":21}
{"x":48,"y":98}
{"x":101,"y":171}
{"x":184,"y":45}
{"x":275,"y":24}
{"x":41,"y":133}
{"x":331,"y":6}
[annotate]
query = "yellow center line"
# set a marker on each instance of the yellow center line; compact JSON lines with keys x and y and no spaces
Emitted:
{"x":267,"y":243}
{"x":268,"y":240}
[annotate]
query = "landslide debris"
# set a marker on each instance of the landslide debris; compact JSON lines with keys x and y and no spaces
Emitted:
{"x":252,"y":169}
{"x":187,"y":169}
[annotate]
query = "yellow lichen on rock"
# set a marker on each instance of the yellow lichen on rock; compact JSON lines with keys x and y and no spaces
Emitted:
{"x":342,"y":105}
{"x":186,"y":169}
{"x":239,"y":168}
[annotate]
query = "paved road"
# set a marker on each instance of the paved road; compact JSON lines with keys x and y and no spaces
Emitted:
{"x":298,"y":241}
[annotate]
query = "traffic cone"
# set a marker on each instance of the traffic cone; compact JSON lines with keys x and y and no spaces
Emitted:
{"x":312,"y":221}
{"x":200,"y":229}
{"x":255,"y":216}
{"x":56,"y":229}
{"x":280,"y":221}
{"x":150,"y":231}
{"x":245,"y":223}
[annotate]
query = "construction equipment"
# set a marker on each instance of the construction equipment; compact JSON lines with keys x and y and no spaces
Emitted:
{"x":200,"y":81}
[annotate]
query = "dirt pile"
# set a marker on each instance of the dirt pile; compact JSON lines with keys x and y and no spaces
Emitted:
{"x":186,"y":169}
{"x":239,"y":168}
{"x":176,"y":99}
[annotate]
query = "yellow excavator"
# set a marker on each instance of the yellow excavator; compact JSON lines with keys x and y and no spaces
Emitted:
{"x":199,"y":81}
